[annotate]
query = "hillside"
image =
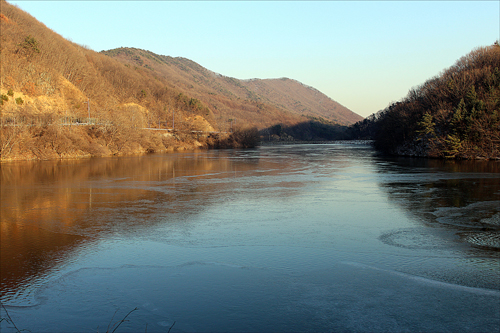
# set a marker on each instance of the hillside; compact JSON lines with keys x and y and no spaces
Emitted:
{"x":60,"y":99}
{"x":55,"y":76}
{"x":453,"y":115}
{"x":258,"y":102}
{"x":301,"y":99}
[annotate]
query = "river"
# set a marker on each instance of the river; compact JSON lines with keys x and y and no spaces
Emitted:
{"x":327,"y":237}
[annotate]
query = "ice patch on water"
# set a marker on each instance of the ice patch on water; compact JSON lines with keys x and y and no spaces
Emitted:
{"x":476,"y":215}
{"x":494,"y":220}
{"x":213,"y":263}
{"x":481,"y":218}
{"x":414,"y":239}
{"x":473,"y":290}
{"x":488,"y":239}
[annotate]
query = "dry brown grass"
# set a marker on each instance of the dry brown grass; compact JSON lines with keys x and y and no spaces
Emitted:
{"x":55,"y":78}
{"x":260,"y":103}
{"x":36,"y":62}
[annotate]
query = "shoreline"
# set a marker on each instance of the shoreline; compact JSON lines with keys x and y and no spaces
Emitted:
{"x":180,"y":148}
{"x":278,"y":143}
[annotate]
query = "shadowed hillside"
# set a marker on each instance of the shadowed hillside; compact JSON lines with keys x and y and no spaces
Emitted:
{"x":315,"y":129}
{"x":453,"y":115}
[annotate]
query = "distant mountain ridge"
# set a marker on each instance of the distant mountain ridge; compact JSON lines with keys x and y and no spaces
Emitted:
{"x":284,"y":94}
{"x":302,"y":99}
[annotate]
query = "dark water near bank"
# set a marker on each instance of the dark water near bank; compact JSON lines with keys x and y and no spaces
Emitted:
{"x":281,"y":238}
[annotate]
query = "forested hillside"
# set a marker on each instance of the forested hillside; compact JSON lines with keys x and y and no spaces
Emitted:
{"x":453,"y":115}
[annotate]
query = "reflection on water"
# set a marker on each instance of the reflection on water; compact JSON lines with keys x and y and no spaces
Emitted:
{"x":464,"y":195}
{"x":289,"y":238}
{"x":51,"y":207}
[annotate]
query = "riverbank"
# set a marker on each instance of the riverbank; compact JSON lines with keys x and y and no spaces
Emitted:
{"x":58,"y":142}
{"x":278,"y":143}
{"x":52,"y":142}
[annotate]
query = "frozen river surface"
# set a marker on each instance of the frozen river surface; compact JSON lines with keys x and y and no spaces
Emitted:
{"x":283,"y":238}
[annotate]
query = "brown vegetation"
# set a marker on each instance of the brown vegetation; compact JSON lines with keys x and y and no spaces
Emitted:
{"x":248,"y":137}
{"x":255,"y":102}
{"x":300,"y":99}
{"x":47,"y":80}
{"x":50,"y":79}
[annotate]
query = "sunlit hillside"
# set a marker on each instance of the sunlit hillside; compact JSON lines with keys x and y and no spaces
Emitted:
{"x":301,"y":99}
{"x":53,"y":75}
{"x":60,"y":99}
{"x":257,"y":102}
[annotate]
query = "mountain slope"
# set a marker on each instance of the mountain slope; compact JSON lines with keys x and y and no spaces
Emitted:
{"x":48,"y":83}
{"x":50,"y":86}
{"x":290,"y":99}
{"x":301,"y":99}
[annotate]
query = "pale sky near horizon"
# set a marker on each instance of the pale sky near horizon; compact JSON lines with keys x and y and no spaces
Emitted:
{"x":362,"y":54}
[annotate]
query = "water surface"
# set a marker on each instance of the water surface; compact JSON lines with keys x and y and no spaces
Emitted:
{"x":282,"y":238}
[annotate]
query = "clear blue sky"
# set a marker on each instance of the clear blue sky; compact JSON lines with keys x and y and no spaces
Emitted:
{"x":363,"y":54}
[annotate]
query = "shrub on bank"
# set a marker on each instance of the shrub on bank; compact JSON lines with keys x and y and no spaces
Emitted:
{"x":240,"y":138}
{"x":27,"y":138}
